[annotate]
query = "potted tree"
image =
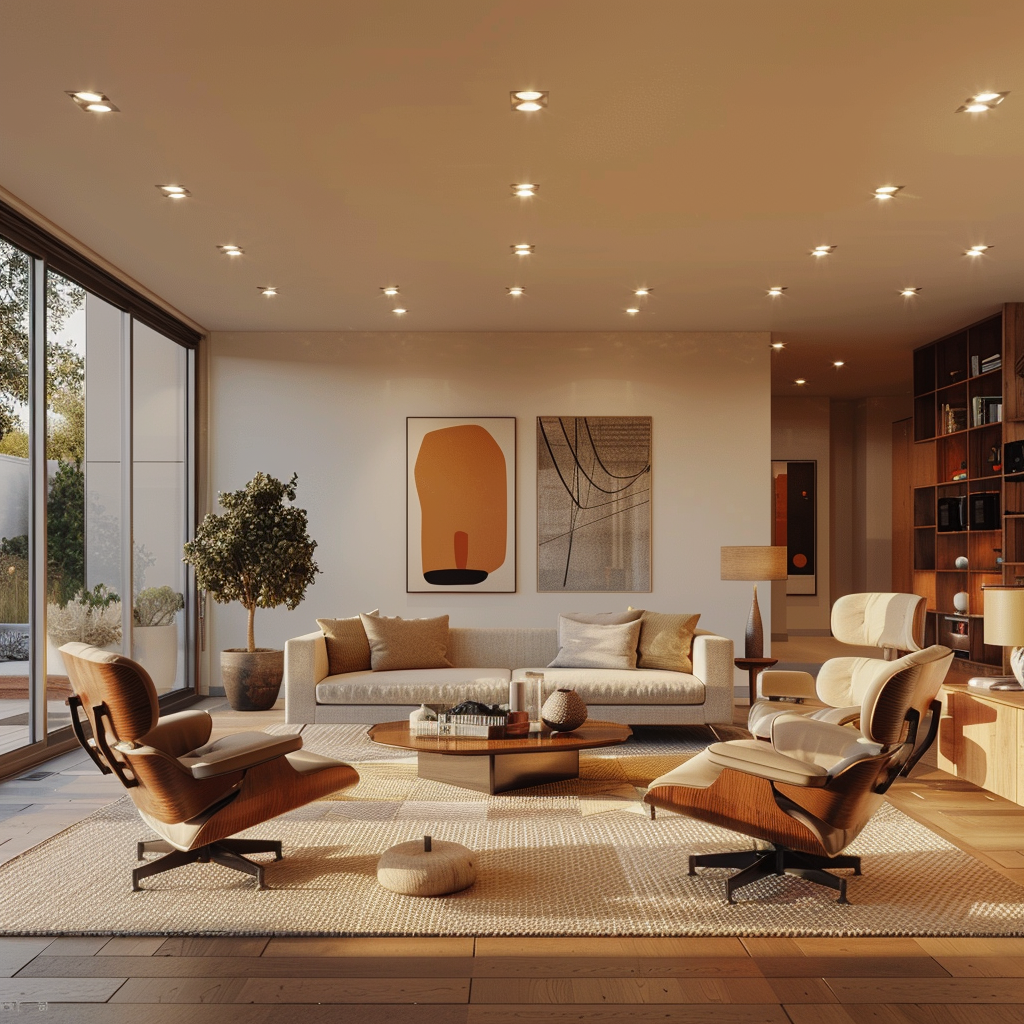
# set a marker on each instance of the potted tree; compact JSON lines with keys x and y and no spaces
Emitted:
{"x":258,"y":553}
{"x":155,"y":634}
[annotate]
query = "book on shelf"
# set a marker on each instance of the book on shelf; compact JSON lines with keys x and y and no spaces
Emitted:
{"x":992,"y":363}
{"x":954,"y":418}
{"x":975,"y":365}
{"x":986,"y":409}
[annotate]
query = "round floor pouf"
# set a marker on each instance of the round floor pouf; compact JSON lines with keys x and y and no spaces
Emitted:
{"x":427,"y":868}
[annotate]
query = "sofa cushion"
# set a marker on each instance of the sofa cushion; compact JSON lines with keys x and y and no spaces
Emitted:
{"x":665,"y":641}
{"x":622,"y":686}
{"x":397,"y":643}
{"x":590,"y":645}
{"x":599,"y":618}
{"x":416,"y":686}
{"x":348,"y":650}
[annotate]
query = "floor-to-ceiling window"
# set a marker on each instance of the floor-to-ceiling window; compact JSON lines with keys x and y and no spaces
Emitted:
{"x":96,"y":491}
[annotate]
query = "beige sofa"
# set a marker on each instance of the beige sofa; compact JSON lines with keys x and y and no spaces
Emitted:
{"x":483,"y":663}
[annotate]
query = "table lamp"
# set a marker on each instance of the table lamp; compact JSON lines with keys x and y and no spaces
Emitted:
{"x":754,"y":564}
{"x":1004,"y":626}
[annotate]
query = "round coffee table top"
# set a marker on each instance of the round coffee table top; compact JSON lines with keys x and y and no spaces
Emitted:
{"x":590,"y":734}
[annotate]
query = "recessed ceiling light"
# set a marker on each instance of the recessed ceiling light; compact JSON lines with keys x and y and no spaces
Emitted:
{"x":231,"y":250}
{"x":822,"y":250}
{"x":523,"y":249}
{"x":399,"y":311}
{"x":94,"y":102}
{"x":268,"y":290}
{"x":909,"y":293}
{"x":800,"y":380}
{"x":174,"y":191}
{"x":390,"y":289}
{"x":838,"y":363}
{"x":525,"y":190}
{"x":982,"y":102}
{"x":632,"y":311}
{"x":776,"y":290}
{"x":887,"y":191}
{"x":528,"y":100}
{"x":777,"y":345}
{"x":643,"y":291}
{"x":977,"y":250}
{"x":516,"y":290}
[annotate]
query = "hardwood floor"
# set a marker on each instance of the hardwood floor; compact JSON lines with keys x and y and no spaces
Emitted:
{"x":514,"y":980}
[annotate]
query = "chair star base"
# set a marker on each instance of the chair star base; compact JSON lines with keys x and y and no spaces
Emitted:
{"x":757,"y":864}
{"x":226,"y":852}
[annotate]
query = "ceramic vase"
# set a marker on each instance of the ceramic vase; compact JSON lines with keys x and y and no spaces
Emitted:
{"x":564,"y":711}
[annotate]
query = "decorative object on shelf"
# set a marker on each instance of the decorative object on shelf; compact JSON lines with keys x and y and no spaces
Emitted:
{"x":952,"y":515}
{"x":794,"y":522}
{"x":461,"y":504}
{"x":961,"y":562}
{"x":427,"y":868}
{"x":956,"y":634}
{"x":1004,"y":626}
{"x":594,"y":473}
{"x":534,"y":699}
{"x":984,"y":510}
{"x":564,"y":711}
{"x":995,"y":459}
{"x":752,"y":564}
{"x":962,"y":474}
{"x":259,"y":554}
{"x":422,"y":714}
{"x":1013,"y":457}
{"x":960,"y":600}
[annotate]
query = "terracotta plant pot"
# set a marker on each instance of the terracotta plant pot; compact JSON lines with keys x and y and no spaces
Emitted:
{"x":251,"y":681}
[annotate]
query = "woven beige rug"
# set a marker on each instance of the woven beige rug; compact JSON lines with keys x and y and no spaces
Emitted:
{"x":570,"y":858}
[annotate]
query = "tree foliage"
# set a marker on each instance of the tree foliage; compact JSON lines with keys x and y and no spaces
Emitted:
{"x":65,"y":532}
{"x":258,"y":552}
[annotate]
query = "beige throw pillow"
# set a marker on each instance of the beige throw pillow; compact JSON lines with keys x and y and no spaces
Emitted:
{"x":397,"y":643}
{"x":599,"y":618}
{"x":595,"y":645}
{"x":348,"y":650}
{"x":665,"y":641}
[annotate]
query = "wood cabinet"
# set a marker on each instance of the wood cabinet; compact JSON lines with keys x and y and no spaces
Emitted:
{"x":980,"y":737}
{"x":958,"y":522}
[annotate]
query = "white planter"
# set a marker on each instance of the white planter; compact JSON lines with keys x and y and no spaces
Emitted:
{"x":55,"y":663}
{"x":156,"y":649}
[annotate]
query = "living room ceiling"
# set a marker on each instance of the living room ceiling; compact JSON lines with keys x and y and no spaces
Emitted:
{"x":698,"y":149}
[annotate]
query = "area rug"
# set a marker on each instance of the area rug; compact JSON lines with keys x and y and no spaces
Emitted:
{"x":580,"y":857}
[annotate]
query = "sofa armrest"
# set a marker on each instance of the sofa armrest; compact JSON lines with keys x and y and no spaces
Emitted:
{"x":305,"y":664}
{"x":712,"y":658}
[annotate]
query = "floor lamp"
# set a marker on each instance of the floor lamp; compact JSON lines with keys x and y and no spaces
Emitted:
{"x":1004,"y":626}
{"x":754,"y":564}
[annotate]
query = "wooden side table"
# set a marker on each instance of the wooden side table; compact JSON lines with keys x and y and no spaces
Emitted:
{"x":754,"y":667}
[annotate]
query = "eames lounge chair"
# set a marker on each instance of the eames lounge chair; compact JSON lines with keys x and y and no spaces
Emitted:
{"x":191,"y":792}
{"x":811,"y":792}
{"x":892,"y":622}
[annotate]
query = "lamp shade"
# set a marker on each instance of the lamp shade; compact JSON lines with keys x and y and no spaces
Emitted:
{"x":1004,"y":616}
{"x":754,"y":563}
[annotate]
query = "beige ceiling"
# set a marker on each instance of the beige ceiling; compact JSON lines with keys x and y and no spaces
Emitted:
{"x":700,"y":148}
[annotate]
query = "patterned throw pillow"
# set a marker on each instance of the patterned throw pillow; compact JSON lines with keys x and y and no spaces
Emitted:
{"x":348,"y":650}
{"x":665,"y":641}
{"x":594,"y":645}
{"x":397,"y":643}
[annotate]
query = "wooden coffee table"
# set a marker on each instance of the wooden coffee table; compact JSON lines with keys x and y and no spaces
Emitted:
{"x":495,"y":766}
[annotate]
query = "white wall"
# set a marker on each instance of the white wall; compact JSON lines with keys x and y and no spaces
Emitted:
{"x":332,"y":407}
{"x":800,"y":430}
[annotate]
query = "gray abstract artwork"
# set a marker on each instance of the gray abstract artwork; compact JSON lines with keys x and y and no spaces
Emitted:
{"x":594,"y":504}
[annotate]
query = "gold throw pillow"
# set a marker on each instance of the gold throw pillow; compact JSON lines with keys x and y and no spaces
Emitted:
{"x":665,"y":641}
{"x":348,"y":650}
{"x":397,"y":643}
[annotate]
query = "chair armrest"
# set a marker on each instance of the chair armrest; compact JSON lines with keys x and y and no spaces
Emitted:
{"x":752,"y":757}
{"x":712,"y":658}
{"x":179,"y":733}
{"x":787,"y":683}
{"x":237,"y":752}
{"x":305,"y":664}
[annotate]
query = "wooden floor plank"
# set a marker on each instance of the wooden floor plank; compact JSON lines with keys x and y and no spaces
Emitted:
{"x":556,"y":967}
{"x":758,"y":946}
{"x":227,"y":1013}
{"x":861,"y":946}
{"x":973,"y":947}
{"x":927,"y":990}
{"x":608,"y":946}
{"x":801,"y":990}
{"x":16,"y":952}
{"x":58,"y":990}
{"x":819,"y":1013}
{"x":74,"y":945}
{"x":429,"y":946}
{"x":983,"y":966}
{"x":184,"y":945}
{"x":293,"y":990}
{"x":868,"y":966}
{"x":131,"y":946}
{"x":601,"y":1013}
{"x":698,"y":967}
{"x":621,"y":990}
{"x":246,"y":967}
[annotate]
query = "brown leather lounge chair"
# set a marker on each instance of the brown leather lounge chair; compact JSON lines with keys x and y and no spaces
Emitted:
{"x":191,"y":792}
{"x":812,"y":790}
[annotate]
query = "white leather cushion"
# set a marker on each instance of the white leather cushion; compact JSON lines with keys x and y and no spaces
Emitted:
{"x":623,"y":686}
{"x":764,"y":712}
{"x":756,"y":758}
{"x":589,"y":645}
{"x":237,"y":751}
{"x":416,"y":686}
